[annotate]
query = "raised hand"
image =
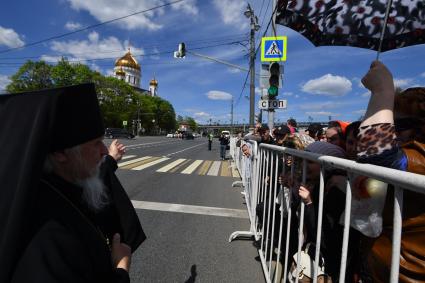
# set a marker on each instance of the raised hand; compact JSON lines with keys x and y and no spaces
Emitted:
{"x":116,"y":150}
{"x":305,"y":195}
{"x":378,"y":79}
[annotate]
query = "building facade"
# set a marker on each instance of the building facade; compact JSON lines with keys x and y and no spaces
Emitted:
{"x":128,"y":69}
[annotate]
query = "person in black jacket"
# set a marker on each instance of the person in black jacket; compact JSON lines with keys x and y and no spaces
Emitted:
{"x":333,"y":207}
{"x":224,"y":141}
{"x":64,"y":214}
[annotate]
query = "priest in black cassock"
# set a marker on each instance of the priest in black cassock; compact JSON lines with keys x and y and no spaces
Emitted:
{"x":64,"y":216}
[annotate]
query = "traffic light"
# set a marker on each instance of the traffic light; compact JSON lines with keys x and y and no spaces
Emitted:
{"x":274,"y":70}
{"x":181,"y":53}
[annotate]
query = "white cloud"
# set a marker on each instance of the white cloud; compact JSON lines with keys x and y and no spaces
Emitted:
{"x":201,"y":115}
{"x":360,"y":112}
{"x":231,"y":12}
{"x":72,"y":26}
{"x":422,"y":75}
{"x":4,"y":81}
{"x":50,"y":59}
{"x":328,"y":85}
{"x":288,"y":93}
{"x":402,"y":83}
{"x":326,"y":105}
{"x":234,"y":70}
{"x":188,"y":6}
{"x":358,"y":81}
{"x":297,"y":96}
{"x":366,"y":94}
{"x":321,"y":113}
{"x":219,"y":95}
{"x":104,"y":10}
{"x":155,"y":57}
{"x":10,"y":38}
{"x":94,"y":47}
{"x":109,"y":72}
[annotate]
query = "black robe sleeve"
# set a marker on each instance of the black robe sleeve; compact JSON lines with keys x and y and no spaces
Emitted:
{"x":55,"y":254}
{"x":310,"y":222}
{"x":109,"y":164}
{"x":120,"y":216}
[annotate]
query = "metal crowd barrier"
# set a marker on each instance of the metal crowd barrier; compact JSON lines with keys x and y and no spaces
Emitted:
{"x":261,"y":186}
{"x":249,"y":178}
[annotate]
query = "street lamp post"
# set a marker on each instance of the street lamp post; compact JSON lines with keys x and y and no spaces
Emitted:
{"x":138,"y":117}
{"x":249,"y":13}
{"x":153,"y":122}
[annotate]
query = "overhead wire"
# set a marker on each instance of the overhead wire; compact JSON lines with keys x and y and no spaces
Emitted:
{"x":89,"y":27}
{"x":205,"y":40}
{"x":134,"y":55}
{"x":261,"y":10}
{"x":140,"y":55}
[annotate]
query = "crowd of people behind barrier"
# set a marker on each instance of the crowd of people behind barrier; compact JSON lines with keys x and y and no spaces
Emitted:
{"x":392,"y":134}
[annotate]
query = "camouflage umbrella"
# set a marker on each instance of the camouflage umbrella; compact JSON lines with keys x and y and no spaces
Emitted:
{"x":379,"y":25}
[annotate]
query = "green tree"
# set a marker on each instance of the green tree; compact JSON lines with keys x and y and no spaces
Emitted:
{"x":192,"y":123}
{"x":31,"y":76}
{"x":118,"y":100}
{"x":65,"y":73}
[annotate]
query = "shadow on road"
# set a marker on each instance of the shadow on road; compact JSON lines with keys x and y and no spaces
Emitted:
{"x":193,"y":274}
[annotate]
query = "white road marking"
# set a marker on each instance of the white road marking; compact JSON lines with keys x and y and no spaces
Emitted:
{"x":235,"y":172}
{"x":214,"y":169}
{"x":147,"y":165}
{"x":128,"y":157}
{"x":192,"y":209}
{"x":185,"y":149}
{"x":121,"y":164}
{"x":134,"y":145}
{"x":171,"y":165}
{"x":192,"y":167}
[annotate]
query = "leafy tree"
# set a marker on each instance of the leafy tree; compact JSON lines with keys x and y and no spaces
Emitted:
{"x":118,"y":100}
{"x":192,"y":123}
{"x":31,"y":76}
{"x":65,"y":73}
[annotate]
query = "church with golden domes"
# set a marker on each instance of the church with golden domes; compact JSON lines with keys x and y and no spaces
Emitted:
{"x":128,"y":69}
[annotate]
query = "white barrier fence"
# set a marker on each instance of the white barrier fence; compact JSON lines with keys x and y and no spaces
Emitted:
{"x":245,"y":166}
{"x":269,"y":206}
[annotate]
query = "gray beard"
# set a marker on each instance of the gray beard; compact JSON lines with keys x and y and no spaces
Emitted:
{"x":94,"y":194}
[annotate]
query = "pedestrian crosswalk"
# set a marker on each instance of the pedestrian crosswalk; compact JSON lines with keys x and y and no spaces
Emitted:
{"x":181,"y":165}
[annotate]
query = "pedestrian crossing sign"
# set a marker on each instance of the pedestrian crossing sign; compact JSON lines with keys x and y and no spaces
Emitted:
{"x":273,"y":49}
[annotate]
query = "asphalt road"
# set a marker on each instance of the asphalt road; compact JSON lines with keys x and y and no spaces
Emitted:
{"x":183,"y":196}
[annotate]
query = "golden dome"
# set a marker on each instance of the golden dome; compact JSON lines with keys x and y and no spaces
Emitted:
{"x":120,"y":72}
{"x":127,"y":61}
{"x":153,"y":82}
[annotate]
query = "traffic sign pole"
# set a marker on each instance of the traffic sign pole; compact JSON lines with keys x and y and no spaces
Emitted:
{"x":271,"y":119}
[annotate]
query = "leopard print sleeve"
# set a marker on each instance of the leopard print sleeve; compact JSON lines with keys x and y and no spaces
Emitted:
{"x":375,"y":139}
{"x":376,"y":144}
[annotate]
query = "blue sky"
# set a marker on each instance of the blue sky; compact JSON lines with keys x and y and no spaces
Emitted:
{"x":318,"y":82}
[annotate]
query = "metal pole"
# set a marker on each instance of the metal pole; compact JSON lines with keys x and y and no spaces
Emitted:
{"x":252,"y":70}
{"x":231,"y":117}
{"x":273,"y":32}
{"x":381,"y":39}
{"x":271,"y":120}
{"x":138,"y":117}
